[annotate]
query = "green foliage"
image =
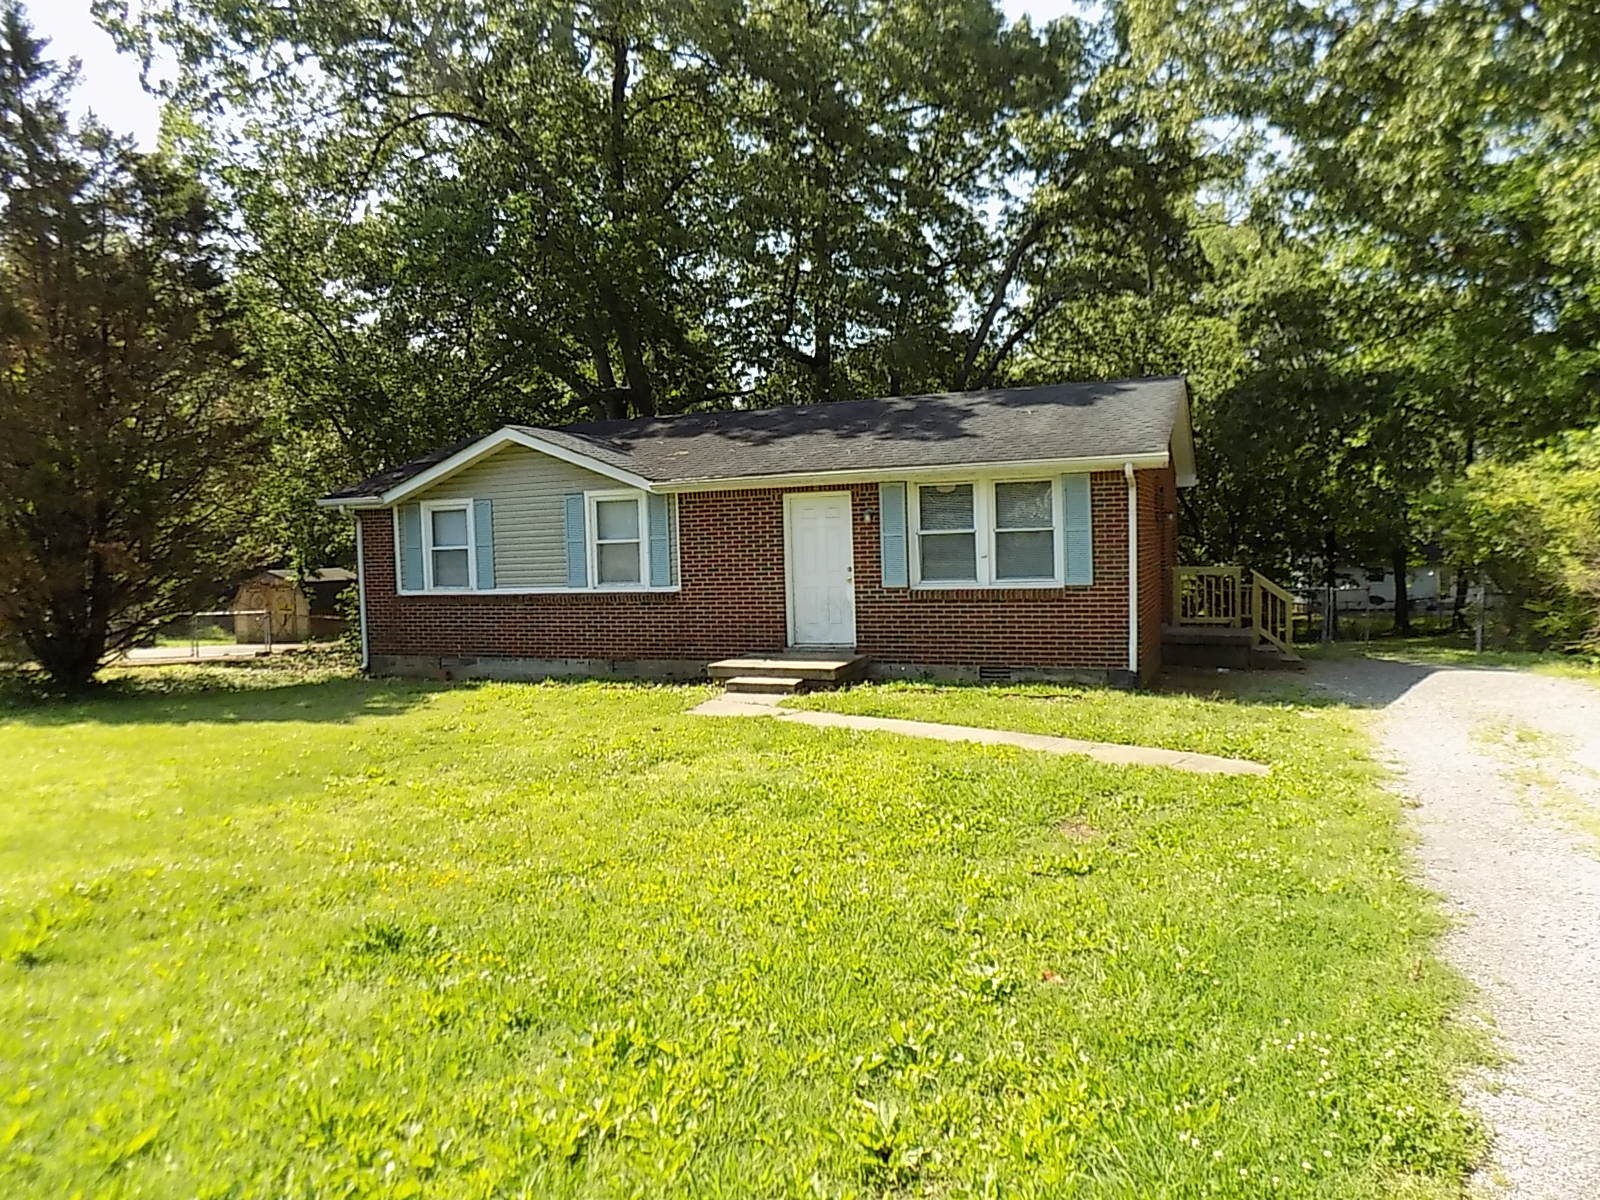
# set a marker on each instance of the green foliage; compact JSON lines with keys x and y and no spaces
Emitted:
{"x":1533,"y":526}
{"x":549,"y":211}
{"x":126,"y":422}
{"x":307,"y":934}
{"x":1415,"y":166}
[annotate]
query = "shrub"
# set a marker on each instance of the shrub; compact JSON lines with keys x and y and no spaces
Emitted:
{"x":1532,"y":526}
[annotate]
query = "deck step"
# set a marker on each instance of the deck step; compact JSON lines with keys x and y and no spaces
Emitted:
{"x":1270,"y":658}
{"x":1208,"y":646}
{"x":763,"y":685}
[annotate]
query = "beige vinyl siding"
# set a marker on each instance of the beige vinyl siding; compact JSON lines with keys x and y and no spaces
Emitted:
{"x":527,"y":489}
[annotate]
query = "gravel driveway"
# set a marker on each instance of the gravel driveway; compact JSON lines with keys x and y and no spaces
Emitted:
{"x":1503,"y":768}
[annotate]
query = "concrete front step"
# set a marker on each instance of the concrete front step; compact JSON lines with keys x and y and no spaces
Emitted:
{"x":763,"y":685}
{"x":812,"y":666}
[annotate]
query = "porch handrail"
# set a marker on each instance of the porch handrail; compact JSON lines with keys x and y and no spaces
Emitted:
{"x":1273,"y":613}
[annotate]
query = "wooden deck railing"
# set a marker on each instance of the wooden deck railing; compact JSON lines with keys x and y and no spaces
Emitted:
{"x":1274,"y":613}
{"x":1208,"y":595}
{"x":1233,"y":597}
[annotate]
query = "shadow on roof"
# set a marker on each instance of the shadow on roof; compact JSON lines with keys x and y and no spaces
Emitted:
{"x":939,"y":417}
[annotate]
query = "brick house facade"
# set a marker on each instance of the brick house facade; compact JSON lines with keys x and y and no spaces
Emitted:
{"x":732,"y":599}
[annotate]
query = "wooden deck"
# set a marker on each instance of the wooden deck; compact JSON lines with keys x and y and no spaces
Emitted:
{"x":1229,"y":617}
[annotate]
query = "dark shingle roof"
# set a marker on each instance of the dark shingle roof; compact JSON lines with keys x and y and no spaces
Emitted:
{"x":1112,"y":419}
{"x":376,"y":485}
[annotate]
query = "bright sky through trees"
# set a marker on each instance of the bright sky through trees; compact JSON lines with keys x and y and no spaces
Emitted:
{"x":110,"y":84}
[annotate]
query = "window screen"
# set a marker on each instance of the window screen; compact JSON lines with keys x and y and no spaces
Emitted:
{"x":948,"y":544}
{"x":1024,"y":530}
{"x":617,"y":555}
{"x":447,"y":528}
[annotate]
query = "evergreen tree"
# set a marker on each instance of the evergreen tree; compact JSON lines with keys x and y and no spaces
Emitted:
{"x":123,"y":425}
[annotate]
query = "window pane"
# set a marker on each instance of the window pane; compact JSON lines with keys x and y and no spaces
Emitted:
{"x":450,"y":569}
{"x":617,"y":520}
{"x":948,"y":556}
{"x":1022,"y":505}
{"x":449,"y":527}
{"x":1025,"y":555}
{"x":945,"y":507}
{"x":619,"y":562}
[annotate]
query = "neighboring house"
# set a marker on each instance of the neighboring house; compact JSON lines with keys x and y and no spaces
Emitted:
{"x":1020,"y":532}
{"x":301,"y":608}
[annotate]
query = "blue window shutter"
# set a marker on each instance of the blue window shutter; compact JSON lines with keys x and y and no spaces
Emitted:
{"x":660,"y":542}
{"x":483,"y":541}
{"x":410,"y":518}
{"x":672,"y":538}
{"x":1078,"y":530}
{"x":892,"y":533}
{"x":577,"y":551}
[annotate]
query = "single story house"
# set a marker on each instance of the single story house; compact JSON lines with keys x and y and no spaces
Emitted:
{"x":1005,"y":533}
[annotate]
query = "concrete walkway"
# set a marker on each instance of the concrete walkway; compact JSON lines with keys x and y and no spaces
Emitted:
{"x":1106,"y":752}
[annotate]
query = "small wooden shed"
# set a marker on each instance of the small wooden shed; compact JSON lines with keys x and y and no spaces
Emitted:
{"x":299,"y":611}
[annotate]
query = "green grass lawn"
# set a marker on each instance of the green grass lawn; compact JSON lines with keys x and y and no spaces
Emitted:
{"x":308,"y":935}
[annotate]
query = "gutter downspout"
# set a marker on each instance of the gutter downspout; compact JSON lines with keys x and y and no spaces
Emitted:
{"x":361,"y":592}
{"x":1133,"y":569}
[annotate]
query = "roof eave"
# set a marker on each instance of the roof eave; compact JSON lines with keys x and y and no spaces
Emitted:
{"x":1109,"y":462}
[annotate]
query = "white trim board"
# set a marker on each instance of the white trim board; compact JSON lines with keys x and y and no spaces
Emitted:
{"x":1024,"y":469}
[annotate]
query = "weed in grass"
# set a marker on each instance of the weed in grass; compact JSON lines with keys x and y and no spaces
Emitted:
{"x":1548,"y":781}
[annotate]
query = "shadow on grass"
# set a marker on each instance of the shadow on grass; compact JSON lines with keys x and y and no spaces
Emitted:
{"x":1352,"y":682}
{"x":211,"y":696}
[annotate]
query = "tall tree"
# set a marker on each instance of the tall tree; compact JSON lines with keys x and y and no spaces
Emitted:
{"x":548,"y":210}
{"x":123,"y":431}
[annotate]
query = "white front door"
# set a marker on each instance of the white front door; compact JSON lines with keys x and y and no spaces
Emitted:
{"x":821,"y":569}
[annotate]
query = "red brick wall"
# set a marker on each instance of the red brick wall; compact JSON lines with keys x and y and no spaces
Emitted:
{"x":732,"y":599}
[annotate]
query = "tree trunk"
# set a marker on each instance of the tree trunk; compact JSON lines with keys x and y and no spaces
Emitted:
{"x":1330,"y":586}
{"x":1402,"y":599}
{"x":70,"y":645}
{"x":823,"y":313}
{"x":622,"y":313}
{"x":1458,"y":609}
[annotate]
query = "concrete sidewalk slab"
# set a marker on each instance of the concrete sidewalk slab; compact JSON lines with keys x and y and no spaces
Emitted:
{"x":1106,"y":752}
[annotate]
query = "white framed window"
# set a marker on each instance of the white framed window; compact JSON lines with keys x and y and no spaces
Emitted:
{"x":1026,"y":516}
{"x":448,"y":553}
{"x":986,"y":533}
{"x":617,"y":542}
{"x":947,"y":528}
